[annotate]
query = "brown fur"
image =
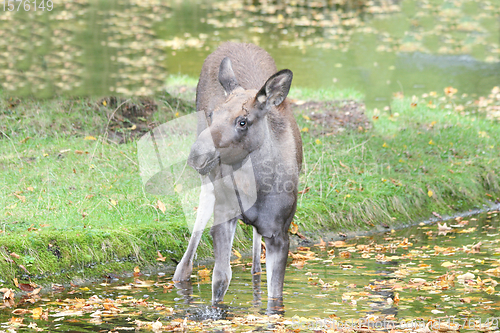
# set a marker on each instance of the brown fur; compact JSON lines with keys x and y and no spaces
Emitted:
{"x":252,"y":67}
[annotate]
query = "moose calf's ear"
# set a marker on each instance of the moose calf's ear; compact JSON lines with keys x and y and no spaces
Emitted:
{"x":276,"y":88}
{"x":226,"y":76}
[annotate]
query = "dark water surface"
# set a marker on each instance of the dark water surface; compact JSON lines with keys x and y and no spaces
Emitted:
{"x":419,"y":272}
{"x":129,"y":47}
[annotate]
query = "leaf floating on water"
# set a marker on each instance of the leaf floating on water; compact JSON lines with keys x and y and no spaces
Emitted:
{"x":493,"y":271}
{"x":37,"y":313}
{"x":20,"y":312}
{"x":443,"y":227}
{"x":236,"y":253}
{"x":321,"y":244}
{"x":338,"y":244}
{"x":204,"y":273}
{"x":157,"y":326}
{"x":127,"y":287}
{"x":448,"y":264}
{"x":67,"y":313}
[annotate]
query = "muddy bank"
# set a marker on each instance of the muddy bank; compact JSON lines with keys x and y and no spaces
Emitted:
{"x":130,"y":119}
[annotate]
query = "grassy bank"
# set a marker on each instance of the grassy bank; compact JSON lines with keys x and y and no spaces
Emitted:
{"x":71,"y":196}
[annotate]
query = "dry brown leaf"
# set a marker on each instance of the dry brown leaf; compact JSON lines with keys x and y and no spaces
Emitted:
{"x":321,"y":243}
{"x":338,"y":244}
{"x":8,"y":294}
{"x":304,"y":190}
{"x":36,"y":291}
{"x":26,"y":287}
{"x":160,"y":257}
{"x":345,"y":254}
{"x":20,"y":197}
{"x":24,"y":268}
{"x":14,"y":321}
{"x":20,"y":312}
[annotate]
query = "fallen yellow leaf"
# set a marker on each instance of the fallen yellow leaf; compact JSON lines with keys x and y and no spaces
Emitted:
{"x":294,"y":228}
{"x":160,"y":257}
{"x":204,"y":273}
{"x":161,"y":206}
{"x":37,"y":313}
{"x":236,"y":253}
{"x":447,"y":264}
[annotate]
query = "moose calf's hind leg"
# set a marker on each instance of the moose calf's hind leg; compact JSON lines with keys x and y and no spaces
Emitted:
{"x":222,"y":235}
{"x":257,"y":244}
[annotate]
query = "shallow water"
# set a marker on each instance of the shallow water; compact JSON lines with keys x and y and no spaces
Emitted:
{"x":379,"y":47}
{"x":423,"y":272}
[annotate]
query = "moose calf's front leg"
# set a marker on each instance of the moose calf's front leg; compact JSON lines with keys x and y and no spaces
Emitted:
{"x":222,"y":234}
{"x":276,"y":257}
{"x":205,"y":210}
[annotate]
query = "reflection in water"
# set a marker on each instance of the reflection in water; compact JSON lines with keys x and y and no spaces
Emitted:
{"x":257,"y":291}
{"x":129,"y":47}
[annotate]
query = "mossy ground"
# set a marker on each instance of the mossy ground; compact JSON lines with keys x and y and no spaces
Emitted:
{"x":71,"y":197}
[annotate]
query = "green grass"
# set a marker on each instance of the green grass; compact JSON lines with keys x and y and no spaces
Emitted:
{"x":69,"y":202}
{"x":409,"y":165}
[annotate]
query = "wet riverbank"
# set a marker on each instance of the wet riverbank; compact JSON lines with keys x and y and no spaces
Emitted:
{"x":431,"y":273}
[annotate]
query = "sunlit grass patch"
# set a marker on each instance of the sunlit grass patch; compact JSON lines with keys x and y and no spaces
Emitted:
{"x":414,"y":161}
{"x":324,"y":94}
{"x":175,"y":80}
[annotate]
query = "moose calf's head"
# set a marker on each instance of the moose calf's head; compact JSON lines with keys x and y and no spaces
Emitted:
{"x":238,"y":126}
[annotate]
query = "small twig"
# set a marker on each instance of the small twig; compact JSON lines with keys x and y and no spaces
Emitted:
{"x":361,"y":144}
{"x":13,"y":146}
{"x":307,"y":177}
{"x":131,"y":160}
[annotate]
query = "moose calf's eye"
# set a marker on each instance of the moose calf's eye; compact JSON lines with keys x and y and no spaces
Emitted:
{"x":242,"y":123}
